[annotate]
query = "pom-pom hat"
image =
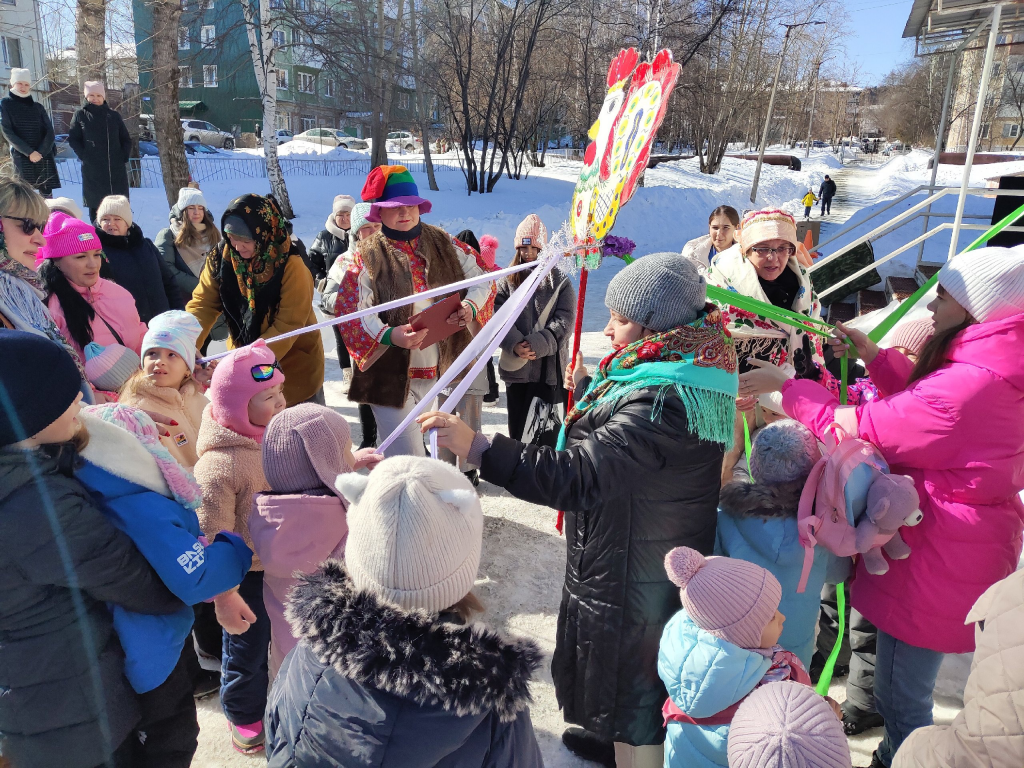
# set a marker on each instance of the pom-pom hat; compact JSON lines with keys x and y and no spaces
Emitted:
{"x":988,"y":282}
{"x":731,"y":599}
{"x":109,"y":367}
{"x":66,"y":236}
{"x":392,"y":186}
{"x":913,"y":335}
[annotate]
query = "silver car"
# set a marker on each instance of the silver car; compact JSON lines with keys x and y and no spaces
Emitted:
{"x":206,"y":133}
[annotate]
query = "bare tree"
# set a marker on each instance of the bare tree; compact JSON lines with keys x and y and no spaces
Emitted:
{"x":166,"y":115}
{"x":418,"y":73}
{"x":90,"y":40}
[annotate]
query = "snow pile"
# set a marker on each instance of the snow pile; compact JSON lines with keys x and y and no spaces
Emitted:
{"x":296,"y":148}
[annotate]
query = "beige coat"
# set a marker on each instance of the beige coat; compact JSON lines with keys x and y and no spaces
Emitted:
{"x":184,"y":405}
{"x":989,"y":731}
{"x":230,"y":472}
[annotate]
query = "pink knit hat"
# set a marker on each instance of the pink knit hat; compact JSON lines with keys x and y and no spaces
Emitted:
{"x":304,"y":449}
{"x":234,"y":384}
{"x":488,"y":250}
{"x":912,"y":336}
{"x":728,"y":598}
{"x":787,"y":725}
{"x":531,"y":231}
{"x":179,"y":480}
{"x":66,"y":236}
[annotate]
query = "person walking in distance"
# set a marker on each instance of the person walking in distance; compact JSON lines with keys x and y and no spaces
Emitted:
{"x":826,"y":192}
{"x":100,"y":139}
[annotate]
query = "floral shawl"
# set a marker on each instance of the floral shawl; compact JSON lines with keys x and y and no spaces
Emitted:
{"x":270,"y":231}
{"x":697,"y":361}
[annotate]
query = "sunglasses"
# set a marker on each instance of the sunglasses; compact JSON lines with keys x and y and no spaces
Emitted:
{"x":27,"y":225}
{"x":265,"y":371}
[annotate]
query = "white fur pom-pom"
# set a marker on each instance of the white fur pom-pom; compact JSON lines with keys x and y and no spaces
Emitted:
{"x":351,"y":485}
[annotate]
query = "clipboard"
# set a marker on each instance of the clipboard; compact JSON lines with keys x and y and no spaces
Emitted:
{"x":435,"y":318}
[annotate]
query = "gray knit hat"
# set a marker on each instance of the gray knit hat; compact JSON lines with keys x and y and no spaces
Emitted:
{"x":660,"y":292}
{"x":415,"y":528}
{"x":783,"y":452}
{"x":787,"y":725}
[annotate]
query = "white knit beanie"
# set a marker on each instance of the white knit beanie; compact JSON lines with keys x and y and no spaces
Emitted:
{"x":67,"y":205}
{"x":343,"y":203}
{"x":190,"y":196}
{"x":415,"y":528}
{"x":988,"y":282}
{"x":21,"y":75}
{"x":115,"y":205}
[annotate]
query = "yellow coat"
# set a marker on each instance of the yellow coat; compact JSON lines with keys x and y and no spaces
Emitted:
{"x":810,"y":199}
{"x":301,"y":357}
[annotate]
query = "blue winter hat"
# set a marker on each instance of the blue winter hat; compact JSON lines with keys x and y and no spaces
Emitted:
{"x":174,"y":330}
{"x":783,"y":452}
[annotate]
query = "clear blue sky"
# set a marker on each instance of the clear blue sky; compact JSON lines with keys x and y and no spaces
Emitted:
{"x":876,"y":43}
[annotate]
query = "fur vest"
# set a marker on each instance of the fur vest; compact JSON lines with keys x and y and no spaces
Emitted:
{"x":386,"y":382}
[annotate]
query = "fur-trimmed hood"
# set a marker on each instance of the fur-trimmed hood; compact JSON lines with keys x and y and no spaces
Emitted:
{"x":743,"y":499}
{"x":415,"y":655}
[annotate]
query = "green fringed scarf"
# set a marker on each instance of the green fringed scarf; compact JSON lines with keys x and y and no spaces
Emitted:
{"x":697,"y":361}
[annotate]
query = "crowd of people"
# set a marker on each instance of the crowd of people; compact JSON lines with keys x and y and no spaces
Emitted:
{"x":177,"y":527}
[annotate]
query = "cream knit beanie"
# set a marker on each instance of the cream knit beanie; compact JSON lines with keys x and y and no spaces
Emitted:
{"x":21,"y":75}
{"x":115,"y":205}
{"x":415,"y":532}
{"x":988,"y":282}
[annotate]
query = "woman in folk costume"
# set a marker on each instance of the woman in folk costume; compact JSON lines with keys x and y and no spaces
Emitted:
{"x":258,"y":282}
{"x":406,"y":257}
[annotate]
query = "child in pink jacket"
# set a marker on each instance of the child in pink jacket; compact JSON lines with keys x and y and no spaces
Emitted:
{"x":301,"y":521}
{"x":955,"y":423}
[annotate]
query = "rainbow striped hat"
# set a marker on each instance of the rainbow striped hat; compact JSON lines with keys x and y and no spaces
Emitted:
{"x":392,"y":186}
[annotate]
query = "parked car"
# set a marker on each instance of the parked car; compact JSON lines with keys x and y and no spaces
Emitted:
{"x":198,"y":148}
{"x":819,"y":144}
{"x":326,"y":137}
{"x":149,"y":148}
{"x":399,"y":141}
{"x":351,"y":142}
{"x":283,"y":135}
{"x":207,"y":133}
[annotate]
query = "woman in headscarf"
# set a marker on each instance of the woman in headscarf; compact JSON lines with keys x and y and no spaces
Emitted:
{"x":257,"y":280}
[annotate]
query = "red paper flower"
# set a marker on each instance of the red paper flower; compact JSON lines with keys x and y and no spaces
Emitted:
{"x":650,"y":350}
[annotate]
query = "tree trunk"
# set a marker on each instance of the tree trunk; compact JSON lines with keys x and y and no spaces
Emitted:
{"x":421,"y":99}
{"x":90,"y":41}
{"x":169,"y":137}
{"x":259,"y":30}
{"x":131,"y":108}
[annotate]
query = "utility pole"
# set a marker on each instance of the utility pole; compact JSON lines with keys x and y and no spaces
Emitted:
{"x":814,"y":98}
{"x":771,"y":105}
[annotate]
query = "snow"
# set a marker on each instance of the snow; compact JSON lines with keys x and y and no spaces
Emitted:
{"x":300,"y":148}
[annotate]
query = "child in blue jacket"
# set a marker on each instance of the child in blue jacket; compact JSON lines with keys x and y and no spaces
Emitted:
{"x":757,"y":522}
{"x":721,"y":646}
{"x":144,"y":492}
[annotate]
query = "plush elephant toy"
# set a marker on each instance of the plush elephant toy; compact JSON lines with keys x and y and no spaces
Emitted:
{"x":892,"y":502}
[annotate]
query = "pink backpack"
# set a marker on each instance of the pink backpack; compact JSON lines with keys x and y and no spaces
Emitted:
{"x":835,"y":496}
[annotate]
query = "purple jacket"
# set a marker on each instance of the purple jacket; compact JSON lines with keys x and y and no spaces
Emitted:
{"x":292,"y":533}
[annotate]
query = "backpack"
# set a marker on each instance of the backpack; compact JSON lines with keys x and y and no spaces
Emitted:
{"x":835,"y":496}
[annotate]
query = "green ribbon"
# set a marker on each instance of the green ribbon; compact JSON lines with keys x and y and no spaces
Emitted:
{"x":821,"y":688}
{"x":769,"y":311}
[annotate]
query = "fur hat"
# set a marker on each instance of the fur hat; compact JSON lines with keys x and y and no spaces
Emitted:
{"x":660,"y":292}
{"x":189,"y":196}
{"x":66,"y":236}
{"x":731,"y":599}
{"x":21,"y":75}
{"x":109,"y":367}
{"x":988,"y":282}
{"x":759,"y":226}
{"x":787,"y":725}
{"x":415,"y":532}
{"x":115,"y":205}
{"x":913,"y":335}
{"x":531,"y":231}
{"x":66,"y":205}
{"x":304,"y":449}
{"x":783,"y":452}
{"x":342,"y":203}
{"x":234,"y":385}
{"x":174,"y":330}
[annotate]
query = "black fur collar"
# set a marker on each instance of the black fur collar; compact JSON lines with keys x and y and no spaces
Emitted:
{"x":468,"y":670}
{"x":743,"y":499}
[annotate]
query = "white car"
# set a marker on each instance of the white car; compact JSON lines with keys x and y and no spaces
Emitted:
{"x":206,"y":133}
{"x":324,"y":136}
{"x":283,"y":136}
{"x":403,"y":141}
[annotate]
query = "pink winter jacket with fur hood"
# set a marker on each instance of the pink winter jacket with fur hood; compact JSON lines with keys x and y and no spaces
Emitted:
{"x":989,"y":730}
{"x":292,"y":533}
{"x":960,"y":434}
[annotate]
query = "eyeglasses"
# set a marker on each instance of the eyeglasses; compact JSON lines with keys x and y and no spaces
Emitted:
{"x":265,"y":371}
{"x":782,"y":250}
{"x":27,"y":225}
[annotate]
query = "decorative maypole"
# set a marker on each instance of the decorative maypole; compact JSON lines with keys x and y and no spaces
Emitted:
{"x":622,"y":137}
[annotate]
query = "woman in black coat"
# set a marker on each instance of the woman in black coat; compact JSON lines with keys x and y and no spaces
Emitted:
{"x":28,"y":130}
{"x":65,"y":702}
{"x":638,"y":473}
{"x":100,"y":139}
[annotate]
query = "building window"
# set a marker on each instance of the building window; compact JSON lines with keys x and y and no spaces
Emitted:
{"x":329,"y":88}
{"x":209,"y":75}
{"x":990,"y":100}
{"x":282,"y":79}
{"x":300,"y":5}
{"x":183,"y":42}
{"x":278,"y":37}
{"x":403,"y":100}
{"x":997,"y":68}
{"x":208,"y":34}
{"x":301,"y":37}
{"x":349,"y":97}
{"x":308,"y":122}
{"x":185,"y":77}
{"x":1010,"y":131}
{"x":284,"y":121}
{"x":986,"y":130}
{"x":11,"y":47}
{"x":307,"y":83}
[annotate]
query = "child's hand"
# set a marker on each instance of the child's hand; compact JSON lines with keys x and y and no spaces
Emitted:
{"x":233,"y":613}
{"x":366,"y":457}
{"x":835,"y":707}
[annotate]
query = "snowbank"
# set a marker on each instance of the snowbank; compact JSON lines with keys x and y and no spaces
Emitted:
{"x":300,"y":148}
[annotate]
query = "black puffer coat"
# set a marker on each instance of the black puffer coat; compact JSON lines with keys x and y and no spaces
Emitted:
{"x":50,"y":709}
{"x":134,"y":263}
{"x":374,"y":686}
{"x":28,"y":129}
{"x":632,"y":488}
{"x":325,"y":250}
{"x":100,"y":139}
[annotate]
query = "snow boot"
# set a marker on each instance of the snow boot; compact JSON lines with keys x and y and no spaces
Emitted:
{"x":247,"y":739}
{"x":856,"y":721}
{"x":583,"y":743}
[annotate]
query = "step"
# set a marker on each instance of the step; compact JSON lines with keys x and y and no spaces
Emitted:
{"x":900,"y":288}
{"x":841,"y":312}
{"x":925,"y":271}
{"x":869,"y":301}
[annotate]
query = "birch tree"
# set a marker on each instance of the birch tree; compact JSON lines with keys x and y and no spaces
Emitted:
{"x":90,"y":40}
{"x":166,"y":115}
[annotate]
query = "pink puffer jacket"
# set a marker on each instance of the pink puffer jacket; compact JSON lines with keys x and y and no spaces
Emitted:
{"x":960,"y":434}
{"x":112,"y":304}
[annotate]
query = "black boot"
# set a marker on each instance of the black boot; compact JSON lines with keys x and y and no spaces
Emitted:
{"x":492,"y":384}
{"x":369,"y":426}
{"x":584,"y":744}
{"x":857,"y":721}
